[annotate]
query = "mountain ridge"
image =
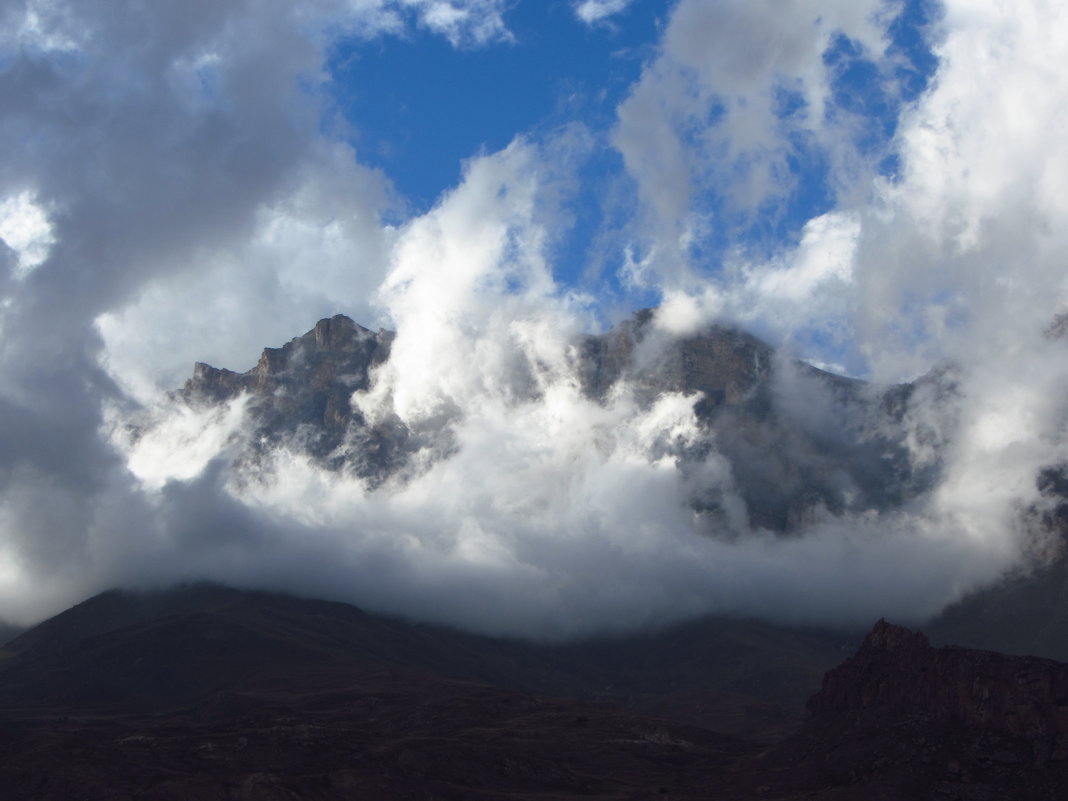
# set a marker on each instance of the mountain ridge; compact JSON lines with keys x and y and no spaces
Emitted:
{"x":790,"y":464}
{"x":685,"y":659}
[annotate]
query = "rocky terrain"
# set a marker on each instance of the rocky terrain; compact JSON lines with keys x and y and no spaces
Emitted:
{"x":800,"y":441}
{"x":208,"y":692}
{"x":211,"y":693}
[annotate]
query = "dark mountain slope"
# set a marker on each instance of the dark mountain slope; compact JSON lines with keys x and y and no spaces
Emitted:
{"x":901,"y":719}
{"x":9,"y":632}
{"x":1024,"y":614}
{"x":1027,"y":611}
{"x":177,"y":645}
{"x":211,"y":693}
{"x":207,"y":692}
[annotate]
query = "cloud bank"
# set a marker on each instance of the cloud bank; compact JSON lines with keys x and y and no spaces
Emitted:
{"x":180,"y":188}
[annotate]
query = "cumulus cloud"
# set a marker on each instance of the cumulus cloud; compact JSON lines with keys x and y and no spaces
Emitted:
{"x":706,"y":133}
{"x":168,"y":186}
{"x":953,"y":261}
{"x":594,"y":11}
{"x":177,"y":197}
{"x":533,"y":507}
{"x":474,"y":22}
{"x":316,"y":249}
{"x":24,"y":227}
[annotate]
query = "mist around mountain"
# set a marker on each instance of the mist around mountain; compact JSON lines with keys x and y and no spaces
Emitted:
{"x":882,"y":197}
{"x":545,"y":482}
{"x":797,"y":441}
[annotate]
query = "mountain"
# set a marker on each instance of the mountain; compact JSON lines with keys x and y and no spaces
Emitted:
{"x":740,"y":674}
{"x":214,"y":693}
{"x":209,"y":692}
{"x":302,"y":389}
{"x":1025,"y":613}
{"x":800,"y":441}
{"x":8,"y":632}
{"x":940,"y":722}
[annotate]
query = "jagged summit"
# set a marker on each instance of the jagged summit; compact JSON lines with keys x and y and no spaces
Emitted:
{"x":336,"y":350}
{"x":302,"y":390}
{"x":944,"y":722}
{"x":898,"y":669}
{"x":800,"y":442}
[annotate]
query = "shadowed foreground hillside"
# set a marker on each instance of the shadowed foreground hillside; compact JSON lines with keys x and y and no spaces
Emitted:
{"x":210,"y":693}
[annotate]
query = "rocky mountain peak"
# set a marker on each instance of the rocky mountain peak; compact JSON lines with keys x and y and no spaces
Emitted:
{"x":303,"y":386}
{"x":336,"y":349}
{"x":886,"y":637}
{"x":790,"y":463}
{"x":898,"y":672}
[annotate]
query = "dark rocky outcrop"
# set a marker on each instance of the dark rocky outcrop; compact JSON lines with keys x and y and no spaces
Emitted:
{"x":899,"y":673}
{"x":209,"y":692}
{"x":902,"y":719}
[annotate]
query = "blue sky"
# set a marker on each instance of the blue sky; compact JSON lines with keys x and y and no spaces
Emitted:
{"x":419,"y":107}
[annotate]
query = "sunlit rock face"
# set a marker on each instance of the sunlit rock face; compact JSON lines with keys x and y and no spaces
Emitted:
{"x":801,"y":444}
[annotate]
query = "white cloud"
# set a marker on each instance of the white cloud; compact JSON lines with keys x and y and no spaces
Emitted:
{"x":196,"y":210}
{"x":534,"y":508}
{"x":462,"y":22}
{"x":704,"y":116}
{"x":316,"y":251}
{"x":475,"y":266}
{"x":176,"y":442}
{"x":959,"y":260}
{"x":594,"y":11}
{"x":25,"y":228}
{"x":169,"y":166}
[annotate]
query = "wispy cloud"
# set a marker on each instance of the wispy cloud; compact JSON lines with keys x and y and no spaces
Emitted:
{"x":594,"y":11}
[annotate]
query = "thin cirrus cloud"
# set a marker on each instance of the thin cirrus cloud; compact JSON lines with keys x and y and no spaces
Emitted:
{"x":187,"y":192}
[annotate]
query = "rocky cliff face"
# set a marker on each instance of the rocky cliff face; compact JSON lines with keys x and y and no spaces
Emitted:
{"x":336,"y":355}
{"x":903,"y":720}
{"x":898,"y":672}
{"x":725,"y":365}
{"x":800,"y":442}
{"x":300,"y":397}
{"x":941,"y":722}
